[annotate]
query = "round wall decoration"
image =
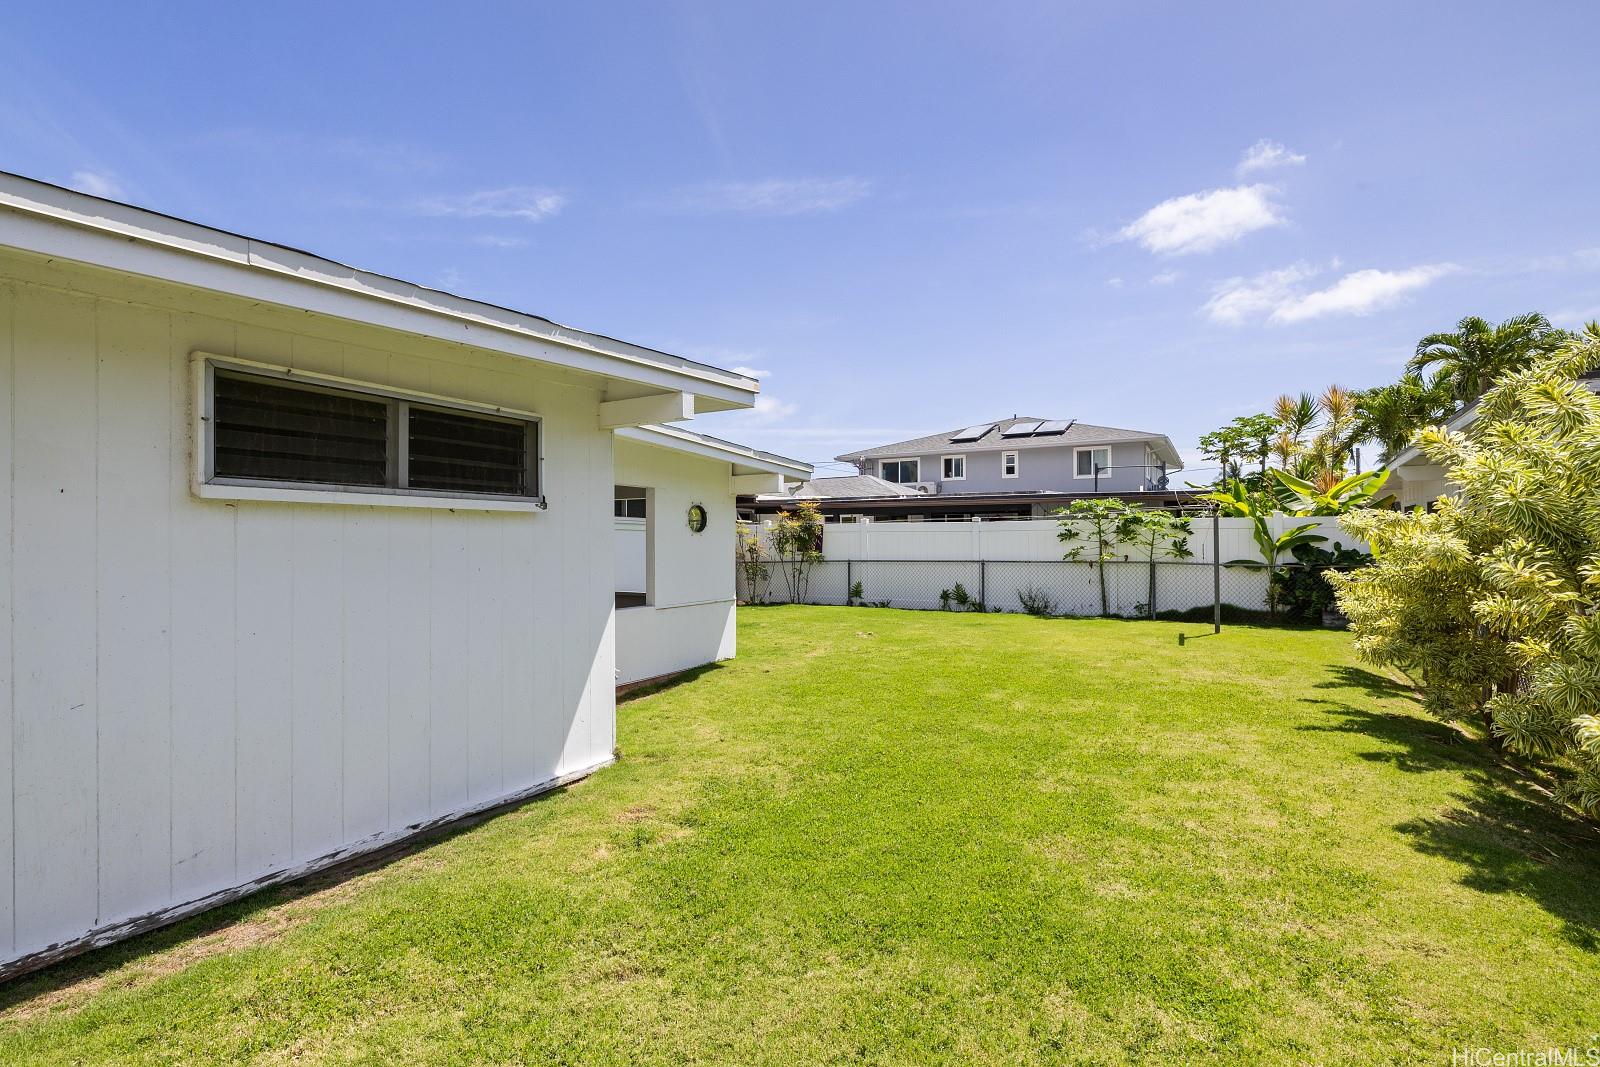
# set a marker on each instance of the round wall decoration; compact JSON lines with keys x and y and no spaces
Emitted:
{"x":697,"y":517}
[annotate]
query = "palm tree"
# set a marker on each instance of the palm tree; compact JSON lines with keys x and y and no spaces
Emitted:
{"x":1336,"y":437}
{"x":1295,"y":416}
{"x":1392,"y":414}
{"x":1473,"y":356}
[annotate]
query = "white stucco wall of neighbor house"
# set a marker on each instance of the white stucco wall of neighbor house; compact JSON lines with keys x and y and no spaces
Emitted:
{"x":200,"y":695}
{"x":689,"y":619}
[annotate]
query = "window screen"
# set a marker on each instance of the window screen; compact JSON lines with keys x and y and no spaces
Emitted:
{"x":1090,"y":457}
{"x":264,"y":429}
{"x":462,"y":453}
{"x":272,"y":432}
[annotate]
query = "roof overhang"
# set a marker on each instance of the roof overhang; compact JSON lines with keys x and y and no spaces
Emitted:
{"x":1411,"y":454}
{"x":744,"y":460}
{"x":56,"y":223}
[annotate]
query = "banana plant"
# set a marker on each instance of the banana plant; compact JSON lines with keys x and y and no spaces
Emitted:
{"x":1272,"y":549}
{"x":1297,"y":496}
{"x":1234,"y":501}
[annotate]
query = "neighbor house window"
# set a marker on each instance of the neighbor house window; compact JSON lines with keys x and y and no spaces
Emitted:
{"x":1008,"y":464}
{"x":1090,"y":458}
{"x":901,"y":471}
{"x":955,"y":468}
{"x":268,"y":430}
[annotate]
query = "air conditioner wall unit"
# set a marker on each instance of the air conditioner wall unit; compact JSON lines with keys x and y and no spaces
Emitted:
{"x":931,"y":488}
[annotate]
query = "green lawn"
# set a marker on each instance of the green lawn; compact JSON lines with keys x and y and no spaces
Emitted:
{"x":889,"y":836}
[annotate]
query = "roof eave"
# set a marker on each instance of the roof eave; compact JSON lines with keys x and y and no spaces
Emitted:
{"x":48,"y":220}
{"x":746,"y":460}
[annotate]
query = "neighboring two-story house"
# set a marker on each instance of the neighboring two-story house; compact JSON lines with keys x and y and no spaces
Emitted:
{"x":1007,"y":467}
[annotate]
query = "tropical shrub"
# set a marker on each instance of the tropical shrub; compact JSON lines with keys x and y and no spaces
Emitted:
{"x":1493,"y":600}
{"x":750,"y":558}
{"x":1156,"y":535}
{"x":1303,"y":590}
{"x":1037,"y":602}
{"x":1099,"y":523}
{"x":797,"y":543}
{"x":958,"y":598}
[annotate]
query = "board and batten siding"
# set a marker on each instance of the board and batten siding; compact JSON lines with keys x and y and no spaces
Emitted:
{"x":690,"y":619}
{"x":198,"y":694}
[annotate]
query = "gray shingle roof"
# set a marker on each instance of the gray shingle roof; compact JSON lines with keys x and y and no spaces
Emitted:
{"x":1079,"y":433}
{"x":851,"y":487}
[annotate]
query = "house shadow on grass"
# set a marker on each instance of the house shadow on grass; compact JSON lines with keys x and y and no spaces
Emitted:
{"x":1506,"y":832}
{"x":226,"y":928}
{"x":652,"y":686}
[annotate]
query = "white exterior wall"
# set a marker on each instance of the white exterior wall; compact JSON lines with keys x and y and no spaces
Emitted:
{"x":1419,"y":484}
{"x":690,"y":619}
{"x":196,"y":695}
{"x":631,"y":555}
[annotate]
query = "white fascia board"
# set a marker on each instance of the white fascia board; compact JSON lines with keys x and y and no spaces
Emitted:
{"x":58,"y":223}
{"x":744,"y":460}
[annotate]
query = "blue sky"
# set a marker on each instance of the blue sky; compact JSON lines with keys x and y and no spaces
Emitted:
{"x":907,"y":217}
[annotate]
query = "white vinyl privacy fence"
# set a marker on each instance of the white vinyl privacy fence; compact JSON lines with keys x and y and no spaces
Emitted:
{"x":1001,"y":564}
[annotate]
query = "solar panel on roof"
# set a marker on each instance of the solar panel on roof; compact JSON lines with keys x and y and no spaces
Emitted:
{"x":1053,"y":428}
{"x":973,"y":433}
{"x":1020,"y":429}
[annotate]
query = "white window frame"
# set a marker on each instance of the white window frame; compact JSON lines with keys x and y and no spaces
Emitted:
{"x":1091,"y":449}
{"x":944,"y":468}
{"x":882,"y":463}
{"x":207,"y":486}
{"x":1012,"y":460}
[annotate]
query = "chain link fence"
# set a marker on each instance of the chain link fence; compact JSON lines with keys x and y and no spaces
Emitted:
{"x":1055,"y":587}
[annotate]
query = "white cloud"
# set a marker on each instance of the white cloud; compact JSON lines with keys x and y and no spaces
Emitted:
{"x":1267,"y":155}
{"x":96,"y":183}
{"x":1114,"y":283}
{"x":1281,"y":296}
{"x":776,"y":196}
{"x":751,"y":372}
{"x":1576,"y":318}
{"x":528,"y":203}
{"x":1361,"y":293}
{"x":1166,"y":277}
{"x":767,"y":411}
{"x":1201,"y":222}
{"x":495,"y":240}
{"x":1239,"y":299}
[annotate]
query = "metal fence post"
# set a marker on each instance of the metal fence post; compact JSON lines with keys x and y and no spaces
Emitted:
{"x":1216,"y":570}
{"x":849,"y":581}
{"x":983,"y":583}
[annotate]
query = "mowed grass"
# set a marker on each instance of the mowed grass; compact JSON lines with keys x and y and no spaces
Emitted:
{"x":895,"y":837}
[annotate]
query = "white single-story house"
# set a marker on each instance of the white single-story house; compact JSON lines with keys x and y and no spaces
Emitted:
{"x":302,"y":560}
{"x":675,"y":533}
{"x":1418,"y":482}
